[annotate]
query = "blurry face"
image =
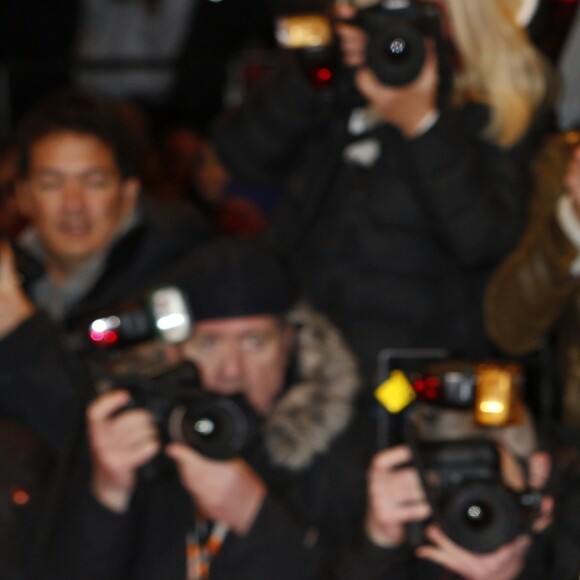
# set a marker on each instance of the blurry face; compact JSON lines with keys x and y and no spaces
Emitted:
{"x":75,"y":196}
{"x":246,"y":355}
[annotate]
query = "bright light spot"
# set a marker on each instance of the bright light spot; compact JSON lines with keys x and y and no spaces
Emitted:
{"x":494,"y":407}
{"x":171,"y":321}
{"x":204,"y":427}
{"x":474,"y":512}
{"x":104,"y":324}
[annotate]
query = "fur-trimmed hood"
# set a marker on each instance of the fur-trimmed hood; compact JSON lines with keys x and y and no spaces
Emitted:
{"x":314,"y":411}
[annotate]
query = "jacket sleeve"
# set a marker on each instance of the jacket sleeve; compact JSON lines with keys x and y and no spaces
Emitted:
{"x":261,"y":141}
{"x":279,"y":545}
{"x":41,"y":384}
{"x":372,"y":562}
{"x":531,"y":289}
{"x":89,"y":541}
{"x":474,"y":192}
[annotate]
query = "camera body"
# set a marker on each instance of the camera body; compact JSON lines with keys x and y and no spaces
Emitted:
{"x":397,"y":30}
{"x":463,"y":482}
{"x":217,"y":426}
{"x":462,"y":413}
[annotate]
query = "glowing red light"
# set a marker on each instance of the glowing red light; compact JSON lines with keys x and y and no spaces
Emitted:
{"x":324,"y":74}
{"x":106,"y":338}
{"x":428,"y":388}
{"x":19,"y":496}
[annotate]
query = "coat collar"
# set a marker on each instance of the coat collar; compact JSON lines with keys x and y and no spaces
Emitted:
{"x":316,"y":408}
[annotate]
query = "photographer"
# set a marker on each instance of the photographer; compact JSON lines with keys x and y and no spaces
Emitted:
{"x":95,"y":236}
{"x":272,"y":511}
{"x":39,"y":410}
{"x":397,"y":498}
{"x":36,"y":385}
{"x":399,"y":208}
{"x":531,"y":301}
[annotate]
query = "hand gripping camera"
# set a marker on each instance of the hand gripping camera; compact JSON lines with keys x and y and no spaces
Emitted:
{"x":219,"y":427}
{"x":470,"y":501}
{"x":397,"y":32}
{"x":465,"y":412}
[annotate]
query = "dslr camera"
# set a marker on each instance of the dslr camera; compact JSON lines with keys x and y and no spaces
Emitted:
{"x":463,"y":482}
{"x":218,"y":426}
{"x":462,"y":413}
{"x":397,"y":31}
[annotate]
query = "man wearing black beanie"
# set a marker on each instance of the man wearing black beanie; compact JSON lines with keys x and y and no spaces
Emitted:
{"x":278,"y":510}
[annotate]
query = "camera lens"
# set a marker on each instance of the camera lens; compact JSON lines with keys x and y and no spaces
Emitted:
{"x":397,"y":49}
{"x":481,"y":516}
{"x":396,"y":53}
{"x":218,"y":427}
{"x":478,"y":515}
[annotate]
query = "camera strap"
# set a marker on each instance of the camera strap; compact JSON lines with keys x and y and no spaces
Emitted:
{"x":203,"y":543}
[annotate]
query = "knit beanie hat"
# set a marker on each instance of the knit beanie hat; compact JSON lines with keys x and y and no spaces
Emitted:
{"x":228,"y":278}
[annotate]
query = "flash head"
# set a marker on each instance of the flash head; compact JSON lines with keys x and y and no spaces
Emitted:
{"x":492,"y":389}
{"x":163,"y":313}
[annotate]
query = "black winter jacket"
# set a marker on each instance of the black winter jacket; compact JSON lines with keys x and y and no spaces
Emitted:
{"x":43,"y":385}
{"x":396,"y":253}
{"x":314,"y":470}
{"x":165,"y":231}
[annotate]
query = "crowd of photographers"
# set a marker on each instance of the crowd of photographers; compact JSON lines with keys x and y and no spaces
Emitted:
{"x":176,"y":403}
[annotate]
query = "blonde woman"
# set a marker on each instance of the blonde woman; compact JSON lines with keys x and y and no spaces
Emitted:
{"x":401,"y":199}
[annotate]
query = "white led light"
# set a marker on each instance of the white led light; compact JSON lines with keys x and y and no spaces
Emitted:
{"x":104,"y":324}
{"x":171,"y":321}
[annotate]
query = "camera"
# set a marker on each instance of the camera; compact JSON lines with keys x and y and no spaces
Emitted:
{"x":218,"y":426}
{"x":120,"y":352}
{"x":464,"y":486}
{"x":311,"y":37}
{"x":458,"y":415}
{"x":397,"y":30}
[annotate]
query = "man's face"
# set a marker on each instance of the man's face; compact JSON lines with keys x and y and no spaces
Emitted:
{"x":75,"y":196}
{"x":246,"y":355}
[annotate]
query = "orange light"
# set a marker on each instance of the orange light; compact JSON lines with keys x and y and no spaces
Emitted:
{"x":19,"y":496}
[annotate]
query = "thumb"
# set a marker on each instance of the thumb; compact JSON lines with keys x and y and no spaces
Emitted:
{"x":181,"y":453}
{"x":7,"y":264}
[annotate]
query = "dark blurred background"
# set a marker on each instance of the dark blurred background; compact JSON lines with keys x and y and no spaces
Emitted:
{"x":224,"y":44}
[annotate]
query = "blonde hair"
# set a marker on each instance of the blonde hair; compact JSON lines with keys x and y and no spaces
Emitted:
{"x":499,"y":65}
